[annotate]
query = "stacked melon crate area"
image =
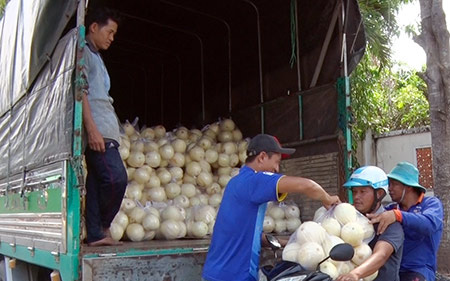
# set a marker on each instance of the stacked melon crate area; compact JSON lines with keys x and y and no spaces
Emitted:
{"x":176,"y":180}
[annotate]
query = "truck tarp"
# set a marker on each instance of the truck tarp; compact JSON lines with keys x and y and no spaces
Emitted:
{"x":35,"y":113}
{"x":36,"y":105}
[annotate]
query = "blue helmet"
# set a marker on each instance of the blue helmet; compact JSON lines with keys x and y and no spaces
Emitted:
{"x":368,"y":176}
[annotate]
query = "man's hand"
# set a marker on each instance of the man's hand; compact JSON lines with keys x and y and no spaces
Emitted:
{"x":96,"y":142}
{"x":348,"y":277}
{"x":384,"y":219}
{"x":95,"y":139}
{"x":330,"y":201}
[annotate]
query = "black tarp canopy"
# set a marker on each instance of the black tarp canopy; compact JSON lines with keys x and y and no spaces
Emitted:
{"x":174,"y":62}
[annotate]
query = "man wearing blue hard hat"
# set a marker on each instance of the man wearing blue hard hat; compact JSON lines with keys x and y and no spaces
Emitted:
{"x":369,"y":185}
{"x":422,"y":221}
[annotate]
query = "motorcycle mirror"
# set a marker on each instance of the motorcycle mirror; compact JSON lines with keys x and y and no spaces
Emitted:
{"x":273,"y":242}
{"x":340,"y":252}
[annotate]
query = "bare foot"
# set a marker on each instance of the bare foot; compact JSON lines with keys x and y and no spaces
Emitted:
{"x":107,"y":241}
{"x":106,"y":232}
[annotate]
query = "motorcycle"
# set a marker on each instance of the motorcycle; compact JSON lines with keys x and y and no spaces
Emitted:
{"x":291,"y":271}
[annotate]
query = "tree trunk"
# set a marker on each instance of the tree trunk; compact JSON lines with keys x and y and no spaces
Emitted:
{"x":434,"y":39}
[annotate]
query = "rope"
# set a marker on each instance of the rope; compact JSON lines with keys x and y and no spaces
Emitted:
{"x":293,"y":33}
{"x":356,"y":36}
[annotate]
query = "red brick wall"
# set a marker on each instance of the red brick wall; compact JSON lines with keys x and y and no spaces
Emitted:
{"x":425,"y":166}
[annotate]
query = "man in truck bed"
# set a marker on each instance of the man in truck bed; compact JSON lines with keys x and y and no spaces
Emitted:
{"x":107,"y":178}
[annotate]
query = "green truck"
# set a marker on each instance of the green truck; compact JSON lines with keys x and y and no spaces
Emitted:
{"x":279,"y":67}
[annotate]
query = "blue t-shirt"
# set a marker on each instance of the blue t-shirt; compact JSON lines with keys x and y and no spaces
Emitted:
{"x":422,"y":224}
{"x":236,"y":241}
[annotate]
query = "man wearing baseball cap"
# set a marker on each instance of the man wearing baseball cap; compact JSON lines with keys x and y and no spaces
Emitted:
{"x":236,"y":241}
{"x":422,"y":221}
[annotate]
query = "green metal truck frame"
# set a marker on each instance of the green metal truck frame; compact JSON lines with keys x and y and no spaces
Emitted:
{"x":40,"y":206}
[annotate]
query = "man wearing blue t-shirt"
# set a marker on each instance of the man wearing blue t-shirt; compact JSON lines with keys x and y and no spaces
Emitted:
{"x":422,"y":219}
{"x":236,"y":241}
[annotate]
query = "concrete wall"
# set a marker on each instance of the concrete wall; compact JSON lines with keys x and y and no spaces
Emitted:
{"x":392,"y":149}
{"x":386,"y":150}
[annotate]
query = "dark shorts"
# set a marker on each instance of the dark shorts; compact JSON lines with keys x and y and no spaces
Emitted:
{"x":411,"y":276}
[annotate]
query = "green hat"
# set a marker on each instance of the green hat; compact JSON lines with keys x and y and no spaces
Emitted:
{"x":407,"y":174}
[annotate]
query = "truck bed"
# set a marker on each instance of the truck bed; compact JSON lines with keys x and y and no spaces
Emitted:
{"x":152,"y":246}
{"x":154,"y":260}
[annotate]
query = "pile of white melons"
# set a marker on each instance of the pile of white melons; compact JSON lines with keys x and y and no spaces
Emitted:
{"x":313,"y":240}
{"x":176,"y":179}
{"x":281,"y":218}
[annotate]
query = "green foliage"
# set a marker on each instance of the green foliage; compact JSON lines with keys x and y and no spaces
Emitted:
{"x":383,"y":100}
{"x":2,"y":7}
{"x":380,"y":26}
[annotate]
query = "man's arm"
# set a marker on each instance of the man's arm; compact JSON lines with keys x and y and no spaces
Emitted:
{"x":427,"y":222}
{"x":308,"y":187}
{"x":95,"y":139}
{"x":381,"y":253}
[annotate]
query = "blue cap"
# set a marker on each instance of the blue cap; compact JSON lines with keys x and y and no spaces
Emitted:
{"x":407,"y":174}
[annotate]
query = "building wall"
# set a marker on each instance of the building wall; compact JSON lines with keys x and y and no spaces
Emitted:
{"x":386,"y":150}
{"x":392,"y":149}
{"x":323,"y":169}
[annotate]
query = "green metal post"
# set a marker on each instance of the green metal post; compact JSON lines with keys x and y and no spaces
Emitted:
{"x":343,"y":89}
{"x":70,"y":262}
{"x":69,"y":269}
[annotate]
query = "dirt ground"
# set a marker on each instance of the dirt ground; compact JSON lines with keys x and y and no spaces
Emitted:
{"x":440,"y":277}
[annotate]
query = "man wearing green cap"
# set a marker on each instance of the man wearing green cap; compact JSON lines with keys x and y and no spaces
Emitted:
{"x":422,"y":221}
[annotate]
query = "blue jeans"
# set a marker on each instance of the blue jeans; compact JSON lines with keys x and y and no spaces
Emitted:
{"x":105,"y":185}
